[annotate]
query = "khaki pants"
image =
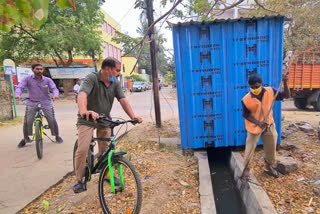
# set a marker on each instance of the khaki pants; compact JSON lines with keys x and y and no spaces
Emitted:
{"x":269,"y":139}
{"x":29,"y":118}
{"x":85,"y":134}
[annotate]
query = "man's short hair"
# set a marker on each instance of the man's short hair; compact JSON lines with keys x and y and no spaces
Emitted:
{"x":35,"y":65}
{"x":110,"y":62}
{"x":254,"y":78}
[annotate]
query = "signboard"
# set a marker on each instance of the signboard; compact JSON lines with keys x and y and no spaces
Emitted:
{"x":70,"y":73}
{"x":9,"y":70}
{"x":23,"y":72}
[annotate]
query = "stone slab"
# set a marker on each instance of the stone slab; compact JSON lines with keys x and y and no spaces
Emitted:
{"x":205,"y":185}
{"x":254,"y":197}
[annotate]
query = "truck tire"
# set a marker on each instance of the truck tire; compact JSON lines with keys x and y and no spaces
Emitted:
{"x":300,"y":103}
{"x":316,"y":106}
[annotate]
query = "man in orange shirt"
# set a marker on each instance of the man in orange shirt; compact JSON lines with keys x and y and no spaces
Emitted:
{"x":259,"y":124}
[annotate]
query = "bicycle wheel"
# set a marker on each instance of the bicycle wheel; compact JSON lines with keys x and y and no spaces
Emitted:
{"x":39,"y":140}
{"x":124,"y":201}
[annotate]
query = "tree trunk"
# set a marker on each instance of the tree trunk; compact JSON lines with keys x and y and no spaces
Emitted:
{"x":94,"y":61}
{"x":67,"y":86}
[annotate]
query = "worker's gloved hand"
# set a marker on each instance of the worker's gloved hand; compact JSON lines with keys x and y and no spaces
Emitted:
{"x":262,"y":125}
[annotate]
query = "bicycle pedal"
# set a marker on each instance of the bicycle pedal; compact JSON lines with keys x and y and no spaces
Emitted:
{"x":118,"y":190}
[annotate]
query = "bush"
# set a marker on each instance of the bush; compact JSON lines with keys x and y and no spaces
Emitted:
{"x":136,"y":77}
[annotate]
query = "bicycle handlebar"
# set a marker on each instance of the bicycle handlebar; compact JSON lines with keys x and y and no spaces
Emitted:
{"x":115,"y":122}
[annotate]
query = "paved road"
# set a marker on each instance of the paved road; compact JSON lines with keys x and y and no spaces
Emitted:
{"x":23,"y":177}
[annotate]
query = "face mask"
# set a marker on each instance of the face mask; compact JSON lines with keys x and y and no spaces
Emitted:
{"x":255,"y":91}
{"x":112,"y":79}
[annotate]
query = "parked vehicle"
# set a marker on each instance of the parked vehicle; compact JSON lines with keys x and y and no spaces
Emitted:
{"x":149,"y":84}
{"x":304,"y":78}
{"x":145,"y":86}
{"x":138,"y":86}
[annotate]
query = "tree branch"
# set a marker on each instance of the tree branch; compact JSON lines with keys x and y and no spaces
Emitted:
{"x":70,"y":59}
{"x":58,"y":55}
{"x":142,"y":42}
{"x":263,"y":7}
{"x":27,"y":32}
{"x":55,"y":61}
{"x":215,"y":3}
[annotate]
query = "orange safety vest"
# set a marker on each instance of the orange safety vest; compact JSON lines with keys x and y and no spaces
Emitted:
{"x":259,"y":110}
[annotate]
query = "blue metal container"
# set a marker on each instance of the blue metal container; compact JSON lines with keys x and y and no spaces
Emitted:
{"x":213,"y":62}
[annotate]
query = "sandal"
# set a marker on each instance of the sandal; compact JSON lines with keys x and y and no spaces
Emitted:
{"x":269,"y":170}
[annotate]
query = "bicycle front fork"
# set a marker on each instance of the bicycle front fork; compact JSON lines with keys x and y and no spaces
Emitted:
{"x":113,"y":189}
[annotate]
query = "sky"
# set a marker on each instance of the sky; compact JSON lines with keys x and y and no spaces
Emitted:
{"x":124,"y":13}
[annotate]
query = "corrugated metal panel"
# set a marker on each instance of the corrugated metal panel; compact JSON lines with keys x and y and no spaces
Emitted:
{"x":213,"y":62}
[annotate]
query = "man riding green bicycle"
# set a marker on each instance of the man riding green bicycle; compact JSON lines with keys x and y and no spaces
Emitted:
{"x":96,"y":96}
{"x":39,"y":88}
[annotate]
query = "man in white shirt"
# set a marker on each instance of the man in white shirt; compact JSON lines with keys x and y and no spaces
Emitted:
{"x":76,"y":88}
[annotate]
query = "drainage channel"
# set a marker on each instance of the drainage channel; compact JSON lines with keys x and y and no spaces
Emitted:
{"x":226,"y":195}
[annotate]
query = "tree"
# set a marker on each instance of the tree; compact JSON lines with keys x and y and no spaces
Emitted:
{"x":66,"y":33}
{"x":130,"y":47}
{"x":303,"y":31}
{"x":170,"y":76}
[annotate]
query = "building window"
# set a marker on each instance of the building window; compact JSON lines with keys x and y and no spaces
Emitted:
{"x":106,"y":50}
{"x":109,"y":30}
{"x":113,"y":32}
{"x":116,"y":53}
{"x":104,"y":27}
{"x":110,"y":50}
{"x":119,"y":55}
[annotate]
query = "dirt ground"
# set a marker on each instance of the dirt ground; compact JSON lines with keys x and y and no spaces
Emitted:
{"x":15,"y":121}
{"x":169,"y":180}
{"x":295,"y":192}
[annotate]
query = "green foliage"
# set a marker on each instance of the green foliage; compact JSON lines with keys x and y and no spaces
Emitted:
{"x":129,"y":44}
{"x":170,"y":76}
{"x":31,"y":13}
{"x":145,"y":59}
{"x":136,"y":77}
{"x":303,"y":32}
{"x":45,"y":205}
{"x":64,"y":4}
{"x":65,"y":34}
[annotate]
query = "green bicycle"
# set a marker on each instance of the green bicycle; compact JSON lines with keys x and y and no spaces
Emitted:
{"x":119,"y":186}
{"x":38,"y":130}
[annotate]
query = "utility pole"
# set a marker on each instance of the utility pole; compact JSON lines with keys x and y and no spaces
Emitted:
{"x":153,"y":54}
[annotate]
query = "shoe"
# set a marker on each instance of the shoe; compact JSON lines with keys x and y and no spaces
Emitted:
{"x":22,"y":143}
{"x":79,"y":187}
{"x":28,"y":140}
{"x":272,"y":172}
{"x":59,"y":139}
{"x":115,"y":179}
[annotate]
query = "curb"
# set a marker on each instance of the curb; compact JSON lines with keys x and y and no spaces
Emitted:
{"x":207,"y":202}
{"x":253,"y":195}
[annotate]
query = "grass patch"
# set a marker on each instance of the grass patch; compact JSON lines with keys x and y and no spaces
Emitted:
{"x":15,"y":121}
